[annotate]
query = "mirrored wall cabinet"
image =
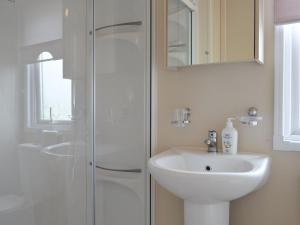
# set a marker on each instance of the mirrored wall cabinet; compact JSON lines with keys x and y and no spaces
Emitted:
{"x":214,"y":31}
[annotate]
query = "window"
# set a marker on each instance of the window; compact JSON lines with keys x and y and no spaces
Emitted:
{"x":49,"y":94}
{"x":287,"y":88}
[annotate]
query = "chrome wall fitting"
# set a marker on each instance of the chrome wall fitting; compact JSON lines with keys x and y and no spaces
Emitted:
{"x":252,"y":119}
{"x":181,"y":117}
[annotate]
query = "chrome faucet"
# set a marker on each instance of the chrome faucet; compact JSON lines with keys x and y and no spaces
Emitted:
{"x":211,"y":142}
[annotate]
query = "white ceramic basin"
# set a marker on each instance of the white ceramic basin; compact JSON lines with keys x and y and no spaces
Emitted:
{"x":208,"y":182}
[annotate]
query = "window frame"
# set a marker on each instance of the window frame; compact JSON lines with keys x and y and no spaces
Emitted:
{"x":286,"y":136}
{"x":33,"y":101}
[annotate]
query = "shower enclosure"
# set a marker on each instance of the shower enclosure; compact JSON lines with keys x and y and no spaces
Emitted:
{"x":75,"y":106}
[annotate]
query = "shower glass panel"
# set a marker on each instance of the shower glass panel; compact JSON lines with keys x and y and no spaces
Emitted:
{"x":121,"y":111}
{"x":45,"y":177}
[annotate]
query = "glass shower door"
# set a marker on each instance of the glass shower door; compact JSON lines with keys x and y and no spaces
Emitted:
{"x":45,"y":112}
{"x":121,"y":112}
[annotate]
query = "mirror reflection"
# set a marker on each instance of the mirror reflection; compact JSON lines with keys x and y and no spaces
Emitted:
{"x":210,"y":31}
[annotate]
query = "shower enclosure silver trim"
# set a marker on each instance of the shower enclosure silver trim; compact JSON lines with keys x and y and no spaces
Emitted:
{"x":154,"y":105}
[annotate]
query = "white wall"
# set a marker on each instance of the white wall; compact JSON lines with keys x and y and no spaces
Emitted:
{"x":39,"y":21}
{"x":8,"y":111}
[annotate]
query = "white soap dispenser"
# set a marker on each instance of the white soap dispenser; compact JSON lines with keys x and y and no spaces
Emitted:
{"x":229,"y":138}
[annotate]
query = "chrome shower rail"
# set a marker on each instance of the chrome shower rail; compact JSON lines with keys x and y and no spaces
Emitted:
{"x":134,"y":23}
{"x":120,"y":170}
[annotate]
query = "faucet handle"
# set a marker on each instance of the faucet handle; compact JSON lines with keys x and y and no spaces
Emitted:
{"x":212,"y":135}
{"x":207,"y":142}
{"x":211,"y":142}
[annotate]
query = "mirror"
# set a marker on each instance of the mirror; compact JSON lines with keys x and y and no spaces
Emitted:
{"x":214,"y":31}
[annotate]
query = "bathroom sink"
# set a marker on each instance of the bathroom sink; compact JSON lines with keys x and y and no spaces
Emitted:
{"x":207,"y":182}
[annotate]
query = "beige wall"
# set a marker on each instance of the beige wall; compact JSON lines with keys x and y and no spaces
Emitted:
{"x":215,"y":92}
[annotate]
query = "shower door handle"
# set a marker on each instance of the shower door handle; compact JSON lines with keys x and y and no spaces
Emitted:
{"x":134,"y":23}
{"x":120,"y":170}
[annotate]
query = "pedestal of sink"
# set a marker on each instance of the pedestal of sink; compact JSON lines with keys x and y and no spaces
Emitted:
{"x":213,"y":214}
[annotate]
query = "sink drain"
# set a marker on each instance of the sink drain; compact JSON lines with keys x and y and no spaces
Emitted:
{"x":208,"y":168}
